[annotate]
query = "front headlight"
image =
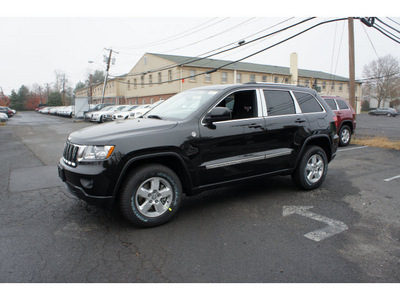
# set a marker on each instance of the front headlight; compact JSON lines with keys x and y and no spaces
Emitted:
{"x":94,"y":152}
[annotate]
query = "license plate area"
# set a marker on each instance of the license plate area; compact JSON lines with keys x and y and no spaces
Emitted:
{"x":61,"y":173}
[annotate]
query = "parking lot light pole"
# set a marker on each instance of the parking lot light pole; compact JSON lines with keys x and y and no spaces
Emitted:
{"x":352,"y":81}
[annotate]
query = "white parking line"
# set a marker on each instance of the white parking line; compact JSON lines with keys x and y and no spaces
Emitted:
{"x":354,"y":148}
{"x":391,"y":178}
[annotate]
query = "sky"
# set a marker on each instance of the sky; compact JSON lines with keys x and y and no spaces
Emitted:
{"x":38,"y":38}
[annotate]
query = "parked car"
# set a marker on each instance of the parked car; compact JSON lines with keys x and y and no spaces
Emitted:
{"x":384,"y":111}
{"x":200,"y":139}
{"x":3,"y":117}
{"x":104,"y":114}
{"x":7,"y":111}
{"x":124,"y":113}
{"x":346,"y":118}
{"x":45,"y":110}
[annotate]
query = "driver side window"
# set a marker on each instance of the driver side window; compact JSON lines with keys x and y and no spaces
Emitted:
{"x":243,"y":104}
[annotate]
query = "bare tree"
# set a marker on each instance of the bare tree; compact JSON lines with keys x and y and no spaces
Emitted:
{"x":382,"y":79}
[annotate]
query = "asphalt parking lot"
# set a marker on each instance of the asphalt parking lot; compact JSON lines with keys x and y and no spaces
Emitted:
{"x":264,"y":231}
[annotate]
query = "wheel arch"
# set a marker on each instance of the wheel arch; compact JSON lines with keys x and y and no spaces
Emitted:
{"x":322,"y":141}
{"x":171,"y":160}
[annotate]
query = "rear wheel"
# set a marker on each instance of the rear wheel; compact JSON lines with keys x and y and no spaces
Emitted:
{"x":151,"y":195}
{"x":388,"y":115}
{"x":344,"y":136}
{"x":312,"y":169}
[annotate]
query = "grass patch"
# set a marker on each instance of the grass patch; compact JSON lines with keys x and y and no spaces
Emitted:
{"x":380,"y":142}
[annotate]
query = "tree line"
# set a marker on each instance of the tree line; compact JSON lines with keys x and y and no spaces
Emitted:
{"x":59,"y":93}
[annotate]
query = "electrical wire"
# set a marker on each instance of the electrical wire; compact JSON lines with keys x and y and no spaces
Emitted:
{"x":393,"y":21}
{"x":388,"y":25}
{"x":210,"y":37}
{"x":385,"y":34}
{"x":387,"y":31}
{"x":248,"y":56}
{"x":370,"y":41}
{"x":192,"y":60}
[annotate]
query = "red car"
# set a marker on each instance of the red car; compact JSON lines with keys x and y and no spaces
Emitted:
{"x":346,"y":118}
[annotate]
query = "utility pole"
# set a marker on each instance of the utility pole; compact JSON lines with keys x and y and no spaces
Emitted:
{"x":352,"y":82}
{"x":108,"y":61}
{"x":63,"y":91}
{"x":90,"y":88}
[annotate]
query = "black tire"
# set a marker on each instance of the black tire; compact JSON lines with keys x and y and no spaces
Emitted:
{"x":388,"y":114}
{"x":344,"y":136}
{"x":310,"y":174}
{"x":150,"y":195}
{"x":101,"y":119}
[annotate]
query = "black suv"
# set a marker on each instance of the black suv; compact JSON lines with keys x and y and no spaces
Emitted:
{"x":200,"y":139}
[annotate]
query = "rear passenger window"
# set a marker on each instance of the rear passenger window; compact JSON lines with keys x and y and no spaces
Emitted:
{"x":342,"y":104}
{"x":331,"y":103}
{"x":279,"y":103}
{"x":308,"y":103}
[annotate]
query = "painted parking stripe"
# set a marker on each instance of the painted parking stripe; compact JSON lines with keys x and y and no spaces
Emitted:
{"x":354,"y":148}
{"x":392,"y":178}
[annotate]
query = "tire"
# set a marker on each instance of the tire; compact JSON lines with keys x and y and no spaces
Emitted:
{"x":312,"y":169}
{"x":388,"y":115}
{"x":150,"y":195}
{"x":101,"y":119}
{"x":344,"y":136}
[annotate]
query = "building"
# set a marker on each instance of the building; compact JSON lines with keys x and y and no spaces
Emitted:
{"x":114,"y":92}
{"x":159,"y":76}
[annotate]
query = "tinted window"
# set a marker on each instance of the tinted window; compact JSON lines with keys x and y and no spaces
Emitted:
{"x":331,"y":103}
{"x":279,"y":103}
{"x":342,"y":104}
{"x":243,"y":104}
{"x":307,"y":102}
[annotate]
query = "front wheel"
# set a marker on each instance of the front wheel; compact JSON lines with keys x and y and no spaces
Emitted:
{"x":312,"y":169}
{"x":388,"y":115}
{"x":151,"y":195}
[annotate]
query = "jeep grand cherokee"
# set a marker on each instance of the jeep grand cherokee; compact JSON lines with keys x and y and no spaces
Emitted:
{"x":200,"y":139}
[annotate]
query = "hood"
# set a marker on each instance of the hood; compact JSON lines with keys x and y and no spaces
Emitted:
{"x":107,"y":133}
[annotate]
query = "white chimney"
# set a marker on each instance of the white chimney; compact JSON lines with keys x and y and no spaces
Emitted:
{"x":294,"y":71}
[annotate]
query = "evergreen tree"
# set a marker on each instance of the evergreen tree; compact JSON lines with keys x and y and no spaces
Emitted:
{"x":54,"y":99}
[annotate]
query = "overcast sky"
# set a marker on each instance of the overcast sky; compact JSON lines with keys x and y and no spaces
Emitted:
{"x":37,"y":38}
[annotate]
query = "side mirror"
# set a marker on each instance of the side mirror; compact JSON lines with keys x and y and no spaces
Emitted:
{"x":218,"y":114}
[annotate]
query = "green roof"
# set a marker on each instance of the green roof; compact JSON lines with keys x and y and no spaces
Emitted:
{"x":246,"y":67}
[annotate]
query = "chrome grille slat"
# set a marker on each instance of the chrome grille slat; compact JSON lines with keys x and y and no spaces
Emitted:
{"x":70,"y":154}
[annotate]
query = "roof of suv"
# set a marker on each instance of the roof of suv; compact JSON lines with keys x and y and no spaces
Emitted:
{"x":257,"y":85}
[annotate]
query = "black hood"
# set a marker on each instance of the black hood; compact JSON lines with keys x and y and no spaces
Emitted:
{"x":106,"y":133}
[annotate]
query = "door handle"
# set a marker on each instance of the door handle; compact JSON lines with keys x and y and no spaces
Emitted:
{"x":300,"y":121}
{"x":254,"y":125}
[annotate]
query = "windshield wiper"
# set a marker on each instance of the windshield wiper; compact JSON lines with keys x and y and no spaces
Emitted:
{"x":154,"y":117}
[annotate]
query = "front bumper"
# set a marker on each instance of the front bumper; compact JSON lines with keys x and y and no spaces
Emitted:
{"x":92,"y":187}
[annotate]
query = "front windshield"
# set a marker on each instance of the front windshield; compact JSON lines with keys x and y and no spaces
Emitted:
{"x":181,"y":105}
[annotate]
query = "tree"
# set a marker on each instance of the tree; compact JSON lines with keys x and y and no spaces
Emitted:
{"x":79,"y":85}
{"x":98,"y":76}
{"x":54,"y":99}
{"x":383,"y":79}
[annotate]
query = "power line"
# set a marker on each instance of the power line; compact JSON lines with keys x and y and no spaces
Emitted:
{"x":210,"y":37}
{"x":253,"y":54}
{"x":386,"y":34}
{"x":220,"y":52}
{"x":393,"y":21}
{"x":387,"y":31}
{"x":370,"y":42}
{"x":388,"y":25}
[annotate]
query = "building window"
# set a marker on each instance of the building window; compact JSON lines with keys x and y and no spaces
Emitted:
{"x":324,"y":85}
{"x":135,"y":83}
{"x":150,"y":79}
{"x":129,"y":84}
{"x":264,"y":78}
{"x":151,"y":100}
{"x":333,"y":86}
{"x":238,"y":77}
{"x":340,"y":86}
{"x":169,"y":75}
{"x":142,"y":80}
{"x":208,"y":77}
{"x":252,"y":78}
{"x":286,"y":80}
{"x":306,"y":82}
{"x":224,"y":77}
{"x":192,"y":75}
{"x":145,"y":61}
{"x":276,"y":79}
{"x":159,"y":77}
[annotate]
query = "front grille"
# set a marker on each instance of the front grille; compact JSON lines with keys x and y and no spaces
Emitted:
{"x":70,"y":154}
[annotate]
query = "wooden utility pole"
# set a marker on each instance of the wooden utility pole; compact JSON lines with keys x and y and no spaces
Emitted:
{"x":352,"y":82}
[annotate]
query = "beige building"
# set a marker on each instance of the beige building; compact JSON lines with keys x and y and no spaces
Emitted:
{"x":159,"y":76}
{"x":114,"y":92}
